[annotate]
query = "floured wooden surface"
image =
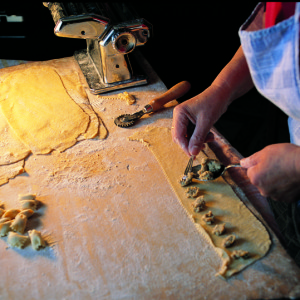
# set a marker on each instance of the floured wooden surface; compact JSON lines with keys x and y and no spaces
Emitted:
{"x":116,"y":229}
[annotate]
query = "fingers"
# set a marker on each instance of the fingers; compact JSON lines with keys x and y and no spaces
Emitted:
{"x":179,"y":130}
{"x":251,"y":163}
{"x":190,"y":138}
{"x":209,"y":138}
{"x":196,"y":143}
{"x":193,"y":145}
{"x":255,"y":179}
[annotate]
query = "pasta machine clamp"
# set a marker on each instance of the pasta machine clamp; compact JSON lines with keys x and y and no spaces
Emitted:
{"x":112,"y":32}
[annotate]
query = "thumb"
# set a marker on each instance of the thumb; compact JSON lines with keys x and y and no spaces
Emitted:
{"x":248,"y":162}
{"x":197,"y":140}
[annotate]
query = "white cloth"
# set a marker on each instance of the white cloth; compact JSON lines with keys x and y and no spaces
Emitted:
{"x":272,"y":55}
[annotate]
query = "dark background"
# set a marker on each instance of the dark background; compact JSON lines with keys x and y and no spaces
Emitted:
{"x":191,"y":41}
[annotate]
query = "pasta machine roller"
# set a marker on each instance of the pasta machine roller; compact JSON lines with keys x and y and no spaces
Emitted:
{"x":112,"y":32}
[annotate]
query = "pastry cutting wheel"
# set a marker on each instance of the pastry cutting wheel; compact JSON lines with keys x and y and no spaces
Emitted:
{"x":173,"y":93}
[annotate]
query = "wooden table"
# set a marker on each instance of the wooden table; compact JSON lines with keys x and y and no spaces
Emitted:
{"x":116,"y":229}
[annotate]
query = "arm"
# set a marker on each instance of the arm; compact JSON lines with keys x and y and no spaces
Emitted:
{"x":206,"y":108}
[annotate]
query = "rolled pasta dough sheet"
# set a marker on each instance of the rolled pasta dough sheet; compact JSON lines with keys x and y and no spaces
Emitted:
{"x":11,"y":147}
{"x":40,"y":111}
{"x":227,"y":208}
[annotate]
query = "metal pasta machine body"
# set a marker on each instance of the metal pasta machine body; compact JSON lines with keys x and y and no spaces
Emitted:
{"x":112,"y":31}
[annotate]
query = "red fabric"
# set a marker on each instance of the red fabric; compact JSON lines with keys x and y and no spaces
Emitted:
{"x":277,"y":12}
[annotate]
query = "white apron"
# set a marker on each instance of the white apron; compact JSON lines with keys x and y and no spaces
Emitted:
{"x":272,"y":55}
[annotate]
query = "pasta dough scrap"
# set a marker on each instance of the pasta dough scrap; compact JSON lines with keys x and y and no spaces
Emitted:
{"x":40,"y":111}
{"x":11,"y":171}
{"x":17,"y":240}
{"x":37,"y":242}
{"x":219,"y":198}
{"x":130,"y":99}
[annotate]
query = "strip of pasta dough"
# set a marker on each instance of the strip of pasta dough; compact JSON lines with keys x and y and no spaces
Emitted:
{"x":227,"y":208}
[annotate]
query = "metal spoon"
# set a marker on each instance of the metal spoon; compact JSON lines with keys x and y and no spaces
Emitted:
{"x":220,"y":172}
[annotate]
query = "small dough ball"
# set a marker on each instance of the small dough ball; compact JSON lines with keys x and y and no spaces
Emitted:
{"x":16,"y":240}
{"x":193,"y":192}
{"x":207,"y":175}
{"x":219,"y":229}
{"x":208,"y":168}
{"x":209,"y":218}
{"x":19,"y":223}
{"x":36,"y":239}
{"x":236,"y":254}
{"x":204,"y":167}
{"x":198,"y":204}
{"x":5,"y":228}
{"x":187,"y":180}
{"x":229,"y":240}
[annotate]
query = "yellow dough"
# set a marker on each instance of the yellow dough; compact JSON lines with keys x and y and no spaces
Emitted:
{"x":11,"y":171}
{"x":220,"y":199}
{"x":40,"y":111}
{"x":11,"y":147}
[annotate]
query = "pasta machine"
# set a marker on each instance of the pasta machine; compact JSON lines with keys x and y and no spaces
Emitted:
{"x":112,"y":32}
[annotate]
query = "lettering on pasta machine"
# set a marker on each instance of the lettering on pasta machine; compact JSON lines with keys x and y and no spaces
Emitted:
{"x":112,"y":32}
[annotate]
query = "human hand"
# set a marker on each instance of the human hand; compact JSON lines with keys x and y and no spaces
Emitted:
{"x":275,"y":171}
{"x":203,"y":111}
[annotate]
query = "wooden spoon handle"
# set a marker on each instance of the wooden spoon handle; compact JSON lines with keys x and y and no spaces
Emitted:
{"x":173,"y":93}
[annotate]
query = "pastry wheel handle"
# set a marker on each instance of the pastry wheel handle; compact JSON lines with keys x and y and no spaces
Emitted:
{"x":173,"y":93}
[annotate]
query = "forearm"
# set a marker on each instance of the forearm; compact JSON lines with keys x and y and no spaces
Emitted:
{"x":234,"y":80}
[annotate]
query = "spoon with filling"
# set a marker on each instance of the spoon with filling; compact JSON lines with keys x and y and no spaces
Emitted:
{"x":212,"y":175}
